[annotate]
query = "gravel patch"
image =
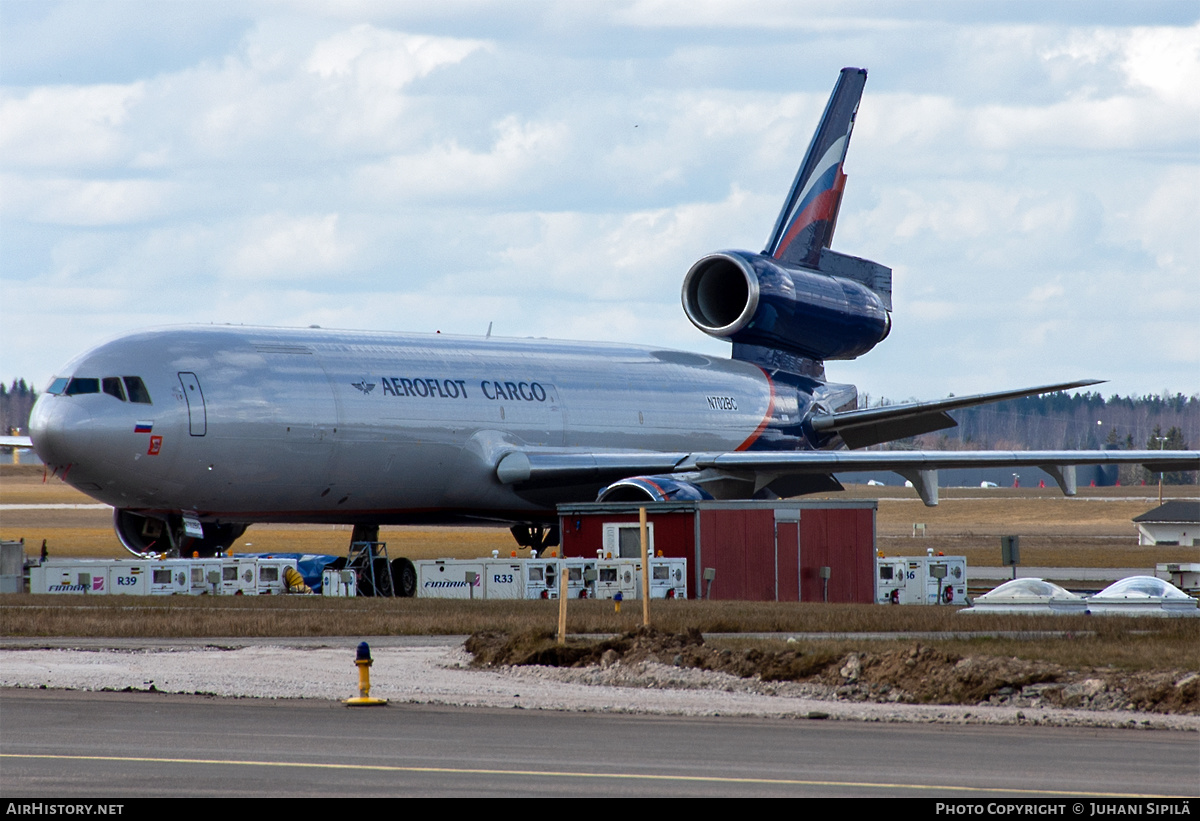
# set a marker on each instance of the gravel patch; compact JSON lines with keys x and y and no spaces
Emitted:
{"x":438,"y":672}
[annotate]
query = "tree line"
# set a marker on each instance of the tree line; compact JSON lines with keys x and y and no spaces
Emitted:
{"x":16,"y":401}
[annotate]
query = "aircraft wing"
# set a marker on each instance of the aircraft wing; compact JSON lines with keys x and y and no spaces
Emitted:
{"x":919,"y":467}
{"x":871,"y":426}
{"x":844,"y":461}
{"x":15,"y":442}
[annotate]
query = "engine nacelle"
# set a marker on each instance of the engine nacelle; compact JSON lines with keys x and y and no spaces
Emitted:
{"x":752,"y":299}
{"x":144,"y":535}
{"x":652,"y":489}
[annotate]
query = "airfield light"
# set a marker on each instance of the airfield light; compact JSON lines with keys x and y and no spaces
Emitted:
{"x":362,"y":658}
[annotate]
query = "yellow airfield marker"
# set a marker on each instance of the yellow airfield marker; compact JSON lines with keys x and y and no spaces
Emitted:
{"x":363,"y":660}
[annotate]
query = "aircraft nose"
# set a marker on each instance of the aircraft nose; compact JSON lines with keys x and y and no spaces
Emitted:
{"x":61,"y":429}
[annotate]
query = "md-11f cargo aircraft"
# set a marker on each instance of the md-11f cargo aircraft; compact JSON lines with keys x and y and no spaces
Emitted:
{"x":194,"y":433}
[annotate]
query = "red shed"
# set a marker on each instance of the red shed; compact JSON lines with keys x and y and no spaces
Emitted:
{"x":758,"y":551}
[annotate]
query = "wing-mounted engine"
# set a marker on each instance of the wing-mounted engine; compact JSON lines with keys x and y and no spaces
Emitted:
{"x":156,"y":535}
{"x":653,"y":489}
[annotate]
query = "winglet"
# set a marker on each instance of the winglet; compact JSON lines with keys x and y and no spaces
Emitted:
{"x":806,"y":223}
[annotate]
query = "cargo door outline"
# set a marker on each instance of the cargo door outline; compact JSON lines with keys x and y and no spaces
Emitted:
{"x":194,"y":396}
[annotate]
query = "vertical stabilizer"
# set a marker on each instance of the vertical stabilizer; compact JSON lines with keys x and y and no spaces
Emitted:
{"x":806,"y":223}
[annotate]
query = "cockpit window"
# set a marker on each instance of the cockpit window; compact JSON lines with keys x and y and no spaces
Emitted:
{"x":137,"y":390}
{"x":58,"y":385}
{"x":112,"y":386}
{"x":85,"y":385}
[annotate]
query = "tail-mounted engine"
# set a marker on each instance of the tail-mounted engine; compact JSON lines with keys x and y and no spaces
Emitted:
{"x":798,"y":297}
{"x":838,"y":312}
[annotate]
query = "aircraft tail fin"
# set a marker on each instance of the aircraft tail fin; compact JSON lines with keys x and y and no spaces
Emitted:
{"x":805,"y":225}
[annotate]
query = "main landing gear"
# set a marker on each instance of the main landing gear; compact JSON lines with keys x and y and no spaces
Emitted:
{"x":375,"y":574}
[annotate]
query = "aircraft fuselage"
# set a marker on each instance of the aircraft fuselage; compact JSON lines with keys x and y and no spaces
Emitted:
{"x":264,"y":424}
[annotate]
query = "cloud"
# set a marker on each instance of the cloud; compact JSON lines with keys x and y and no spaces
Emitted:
{"x":66,"y":126}
{"x":83,"y":202}
{"x":1163,"y":220}
{"x":1166,"y":61}
{"x":282,"y":93}
{"x":451,"y":170}
{"x":377,"y":59}
{"x":1046,"y":293}
{"x":624,"y":256}
{"x":291,"y":248}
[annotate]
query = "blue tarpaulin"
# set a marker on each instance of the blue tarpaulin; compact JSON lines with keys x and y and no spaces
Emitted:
{"x":310,"y":565}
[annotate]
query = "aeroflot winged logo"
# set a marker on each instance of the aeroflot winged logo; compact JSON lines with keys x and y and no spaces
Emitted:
{"x":363,"y":385}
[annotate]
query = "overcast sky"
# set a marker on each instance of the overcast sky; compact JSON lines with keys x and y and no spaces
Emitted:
{"x":1030,"y":170}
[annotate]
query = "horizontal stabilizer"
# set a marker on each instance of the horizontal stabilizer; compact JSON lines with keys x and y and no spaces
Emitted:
{"x":875,"y":276}
{"x":15,"y":442}
{"x":871,"y":426}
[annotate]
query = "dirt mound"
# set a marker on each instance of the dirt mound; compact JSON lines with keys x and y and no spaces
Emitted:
{"x":644,"y":645}
{"x":916,"y":675}
{"x":922,"y":674}
{"x":496,"y":649}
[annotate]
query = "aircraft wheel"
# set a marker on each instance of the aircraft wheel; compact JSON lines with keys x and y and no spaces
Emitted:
{"x":382,"y":585}
{"x":404,"y":578}
{"x":383,"y":578}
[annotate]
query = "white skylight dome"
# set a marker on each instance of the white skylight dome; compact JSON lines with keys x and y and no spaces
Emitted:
{"x":1143,"y":596}
{"x":1028,"y":589}
{"x":1142,"y":587}
{"x":1029,"y":596}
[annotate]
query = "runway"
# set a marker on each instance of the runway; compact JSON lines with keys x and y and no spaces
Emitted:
{"x":67,"y":744}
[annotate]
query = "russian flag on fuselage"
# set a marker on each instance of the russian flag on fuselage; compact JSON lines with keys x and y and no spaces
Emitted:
{"x":806,"y":223}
